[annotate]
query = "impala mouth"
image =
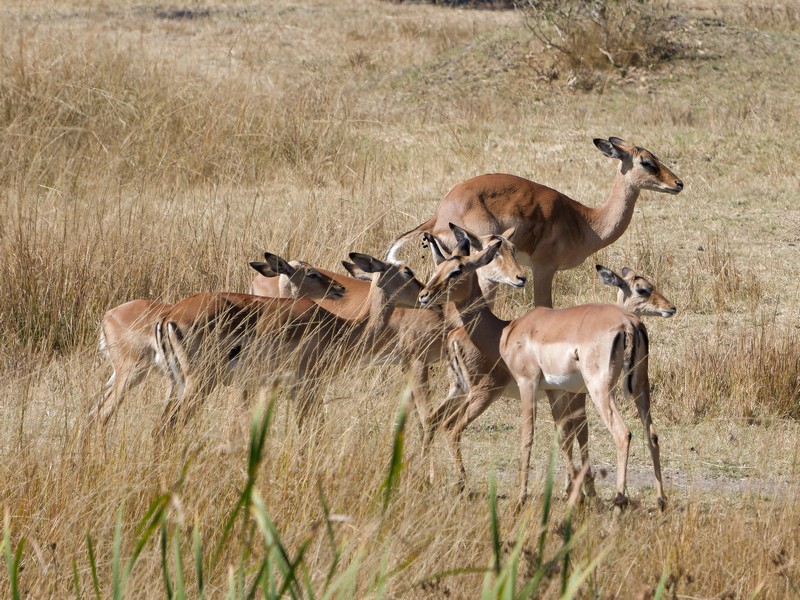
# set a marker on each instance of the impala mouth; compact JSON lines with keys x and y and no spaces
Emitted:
{"x":520,"y":282}
{"x":668,"y":313}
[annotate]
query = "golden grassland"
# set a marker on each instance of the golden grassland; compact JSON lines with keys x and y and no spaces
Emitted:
{"x":148,"y":152}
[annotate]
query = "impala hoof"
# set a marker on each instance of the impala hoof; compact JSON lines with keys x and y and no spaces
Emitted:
{"x":662,"y":504}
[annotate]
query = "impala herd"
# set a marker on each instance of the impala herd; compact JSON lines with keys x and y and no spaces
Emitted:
{"x":300,"y":322}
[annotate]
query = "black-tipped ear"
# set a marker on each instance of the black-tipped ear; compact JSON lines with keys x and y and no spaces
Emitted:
{"x":463,"y":234}
{"x":264,"y":269}
{"x":610,"y":147}
{"x":356,"y":272}
{"x":278,"y":264}
{"x":367,"y":263}
{"x":608,"y":276}
{"x":462,"y":248}
{"x":439,"y":251}
{"x":509,"y":233}
{"x":488,"y":255}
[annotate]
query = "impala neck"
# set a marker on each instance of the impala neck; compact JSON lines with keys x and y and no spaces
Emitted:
{"x":474,"y":313}
{"x":610,"y":220}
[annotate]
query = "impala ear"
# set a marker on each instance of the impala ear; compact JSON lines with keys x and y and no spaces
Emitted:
{"x":264,"y":269}
{"x":279,"y":265}
{"x":463,"y":234}
{"x":509,"y":233}
{"x":487,"y":256}
{"x":612,"y":147}
{"x":367,"y":263}
{"x":608,"y":277}
{"x":626,"y":271}
{"x":355,"y":272}
{"x":439,"y":251}
{"x":462,"y":248}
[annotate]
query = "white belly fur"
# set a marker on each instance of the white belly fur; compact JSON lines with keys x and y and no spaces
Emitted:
{"x":572,"y":382}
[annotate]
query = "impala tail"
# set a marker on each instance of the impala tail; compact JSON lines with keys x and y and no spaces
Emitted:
{"x":170,"y":350}
{"x":391,"y":253}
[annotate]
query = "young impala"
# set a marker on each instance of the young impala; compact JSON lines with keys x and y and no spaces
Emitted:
{"x":554,"y":232}
{"x":478,"y":379}
{"x":252,"y":341}
{"x":584,"y":348}
{"x":413,"y":337}
{"x":126,"y":336}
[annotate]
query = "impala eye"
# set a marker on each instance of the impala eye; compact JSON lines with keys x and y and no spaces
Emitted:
{"x":649,"y":164}
{"x":408,"y":272}
{"x":454,"y":274}
{"x":313,"y":275}
{"x":644,"y":292}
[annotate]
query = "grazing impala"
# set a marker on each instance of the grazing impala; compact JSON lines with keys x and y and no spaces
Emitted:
{"x":413,"y":337}
{"x":554,"y":232}
{"x":207,"y":339}
{"x":126,"y":336}
{"x":579,"y":349}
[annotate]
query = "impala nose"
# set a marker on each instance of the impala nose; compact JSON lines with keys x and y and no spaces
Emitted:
{"x":521,"y":281}
{"x":679,"y":185}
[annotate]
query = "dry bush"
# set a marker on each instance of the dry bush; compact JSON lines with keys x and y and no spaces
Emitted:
{"x":591,"y":36}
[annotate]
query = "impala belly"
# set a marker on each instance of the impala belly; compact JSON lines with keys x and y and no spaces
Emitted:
{"x":560,"y":369}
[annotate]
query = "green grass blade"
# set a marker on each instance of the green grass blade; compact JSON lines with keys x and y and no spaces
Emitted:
{"x":494,"y":524}
{"x":180,"y":590}
{"x":396,"y":460}
{"x":76,"y":582}
{"x":12,"y":561}
{"x":147,"y":526}
{"x":164,"y":562}
{"x":93,"y":566}
{"x":198,"y":559}
{"x":117,"y":576}
{"x":662,"y":584}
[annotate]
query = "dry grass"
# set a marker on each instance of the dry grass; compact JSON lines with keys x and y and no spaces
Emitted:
{"x":144,"y":153}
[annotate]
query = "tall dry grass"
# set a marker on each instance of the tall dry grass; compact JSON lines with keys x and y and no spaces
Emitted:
{"x":145,"y":154}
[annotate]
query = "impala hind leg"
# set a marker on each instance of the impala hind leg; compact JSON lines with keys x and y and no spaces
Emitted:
{"x":455,"y":401}
{"x":602,"y":393}
{"x":641,"y":393}
{"x":420,"y":388}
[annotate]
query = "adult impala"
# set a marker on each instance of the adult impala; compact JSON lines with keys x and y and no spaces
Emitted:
{"x":578,"y":349}
{"x":252,"y":341}
{"x":553,"y":231}
{"x":127,"y":335}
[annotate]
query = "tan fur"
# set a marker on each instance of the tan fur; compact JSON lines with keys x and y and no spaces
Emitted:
{"x":568,"y":344}
{"x":554,"y":232}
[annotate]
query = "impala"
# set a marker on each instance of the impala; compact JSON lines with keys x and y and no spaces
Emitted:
{"x":126,"y":336}
{"x":478,"y":379}
{"x":252,"y":341}
{"x":554,"y":232}
{"x":413,"y":337}
{"x":578,"y":349}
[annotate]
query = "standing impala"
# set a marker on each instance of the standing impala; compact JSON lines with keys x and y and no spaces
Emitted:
{"x":478,"y":379}
{"x":252,"y":341}
{"x":554,"y":232}
{"x":578,"y":349}
{"x":126,"y":335}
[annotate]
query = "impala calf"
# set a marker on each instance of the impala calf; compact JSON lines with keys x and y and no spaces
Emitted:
{"x":127,"y":337}
{"x":252,"y":341}
{"x":575,"y":350}
{"x":554,"y":232}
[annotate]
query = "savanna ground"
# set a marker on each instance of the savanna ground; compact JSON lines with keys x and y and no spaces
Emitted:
{"x":153,"y":150}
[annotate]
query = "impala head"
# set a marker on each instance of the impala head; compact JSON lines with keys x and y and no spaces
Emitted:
{"x":641,"y":167}
{"x":304,"y":281}
{"x":395,"y":280}
{"x":492,"y":253}
{"x":503,"y":270}
{"x":636,"y":293}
